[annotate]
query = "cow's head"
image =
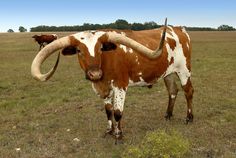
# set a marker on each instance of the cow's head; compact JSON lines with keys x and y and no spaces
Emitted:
{"x":89,"y":46}
{"x":35,"y":36}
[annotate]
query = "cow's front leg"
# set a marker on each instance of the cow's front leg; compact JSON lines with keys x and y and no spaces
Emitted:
{"x":118,"y":103}
{"x":109,"y":111}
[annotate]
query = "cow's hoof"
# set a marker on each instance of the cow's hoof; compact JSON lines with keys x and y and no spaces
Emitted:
{"x":108,"y":132}
{"x":149,"y":86}
{"x":189,"y":118}
{"x":118,"y":138}
{"x":168,"y":115}
{"x":119,"y":141}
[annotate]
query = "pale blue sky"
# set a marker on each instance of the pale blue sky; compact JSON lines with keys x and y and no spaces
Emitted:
{"x":207,"y":13}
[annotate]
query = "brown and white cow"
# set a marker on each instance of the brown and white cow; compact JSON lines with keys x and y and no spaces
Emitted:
{"x":113,"y":60}
{"x":44,"y":39}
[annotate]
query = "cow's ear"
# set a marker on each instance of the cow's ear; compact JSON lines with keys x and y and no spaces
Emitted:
{"x":107,"y":46}
{"x":69,"y":50}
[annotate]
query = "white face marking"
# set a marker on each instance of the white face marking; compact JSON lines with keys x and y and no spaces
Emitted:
{"x":179,"y":64}
{"x":140,"y":73}
{"x":89,"y":38}
{"x":172,"y":96}
{"x":119,"y":98}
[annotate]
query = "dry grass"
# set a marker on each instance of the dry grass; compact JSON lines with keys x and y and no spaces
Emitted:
{"x":43,"y":119}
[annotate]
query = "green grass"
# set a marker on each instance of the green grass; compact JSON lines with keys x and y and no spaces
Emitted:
{"x":42,"y":119}
{"x":159,"y":144}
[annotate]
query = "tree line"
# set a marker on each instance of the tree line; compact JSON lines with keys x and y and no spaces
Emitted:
{"x":118,"y":24}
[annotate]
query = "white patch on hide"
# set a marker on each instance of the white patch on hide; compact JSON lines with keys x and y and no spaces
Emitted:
{"x":119,"y":98}
{"x":131,"y":50}
{"x":136,"y":59}
{"x":108,"y":100}
{"x":173,"y":96}
{"x":123,"y":47}
{"x":179,"y":64}
{"x":109,"y":126}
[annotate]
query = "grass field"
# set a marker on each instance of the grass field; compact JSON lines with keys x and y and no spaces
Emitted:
{"x":64,"y":118}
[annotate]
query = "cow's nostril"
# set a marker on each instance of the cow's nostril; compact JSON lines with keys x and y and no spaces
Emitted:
{"x":94,"y":75}
{"x":90,"y":74}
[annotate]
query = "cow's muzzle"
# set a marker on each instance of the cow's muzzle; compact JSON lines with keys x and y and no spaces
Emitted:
{"x":94,"y":74}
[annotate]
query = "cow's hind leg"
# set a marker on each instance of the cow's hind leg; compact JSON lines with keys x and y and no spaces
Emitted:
{"x":188,"y":91}
{"x":172,"y":92}
{"x":186,"y":83}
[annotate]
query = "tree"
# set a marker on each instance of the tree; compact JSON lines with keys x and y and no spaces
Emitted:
{"x":122,"y":24}
{"x":226,"y":28}
{"x":137,"y":26}
{"x":151,"y":25}
{"x":10,"y":30}
{"x":22,"y":29}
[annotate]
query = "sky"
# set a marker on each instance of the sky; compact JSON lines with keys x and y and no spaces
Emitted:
{"x":32,"y":13}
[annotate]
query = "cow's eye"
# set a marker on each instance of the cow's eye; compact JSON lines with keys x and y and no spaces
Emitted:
{"x":108,"y":46}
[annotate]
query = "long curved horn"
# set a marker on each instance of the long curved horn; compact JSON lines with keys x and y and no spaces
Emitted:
{"x":42,"y":56}
{"x":121,"y":39}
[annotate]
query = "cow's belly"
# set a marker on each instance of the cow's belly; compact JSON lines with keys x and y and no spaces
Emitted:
{"x":141,"y":82}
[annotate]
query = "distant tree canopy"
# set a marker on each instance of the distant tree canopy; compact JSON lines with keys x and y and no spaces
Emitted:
{"x":10,"y":30}
{"x":200,"y":29}
{"x":22,"y":29}
{"x":120,"y":24}
{"x":226,"y":28}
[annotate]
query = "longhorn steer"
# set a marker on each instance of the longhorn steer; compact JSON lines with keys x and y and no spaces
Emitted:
{"x":113,"y":60}
{"x":44,"y":39}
